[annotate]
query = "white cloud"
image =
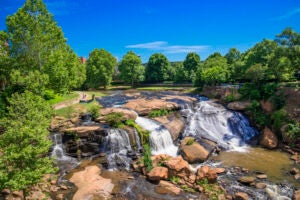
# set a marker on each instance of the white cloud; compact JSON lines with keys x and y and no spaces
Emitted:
{"x":288,"y":14}
{"x":169,"y":49}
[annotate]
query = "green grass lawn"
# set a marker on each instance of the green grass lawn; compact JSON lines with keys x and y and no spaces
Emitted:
{"x":75,"y":109}
{"x":65,"y":97}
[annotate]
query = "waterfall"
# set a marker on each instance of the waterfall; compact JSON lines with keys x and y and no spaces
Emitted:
{"x":160,"y":138}
{"x":138,"y":140}
{"x":64,"y":161}
{"x":117,"y":145}
{"x":212,"y":121}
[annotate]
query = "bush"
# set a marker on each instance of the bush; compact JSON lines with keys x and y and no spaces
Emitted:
{"x":158,"y":113}
{"x":175,"y":179}
{"x":279,"y":118}
{"x":147,"y":158}
{"x":144,"y":134}
{"x":268,"y":90}
{"x":230,"y":98}
{"x":190,"y":141}
{"x":94,"y":111}
{"x":212,"y":190}
{"x":114,"y":119}
{"x":49,"y":94}
{"x":292,"y":131}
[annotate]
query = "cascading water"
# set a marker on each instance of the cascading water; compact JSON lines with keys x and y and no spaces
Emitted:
{"x":117,"y":145}
{"x":58,"y":153}
{"x":160,"y":138}
{"x":212,"y":121}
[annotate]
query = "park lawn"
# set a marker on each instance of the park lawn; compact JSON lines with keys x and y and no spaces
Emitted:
{"x":65,"y":97}
{"x":74,"y":110}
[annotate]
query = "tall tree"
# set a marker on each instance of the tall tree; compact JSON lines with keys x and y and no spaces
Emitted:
{"x":5,"y":61}
{"x":24,"y":144}
{"x":100,"y":68}
{"x":157,"y":68}
{"x":191,"y":64}
{"x":131,"y":69}
{"x":34,"y":36}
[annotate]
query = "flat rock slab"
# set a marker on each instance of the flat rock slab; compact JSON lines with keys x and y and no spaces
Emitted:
{"x":90,"y":184}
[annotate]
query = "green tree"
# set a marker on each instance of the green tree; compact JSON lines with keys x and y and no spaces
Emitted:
{"x":281,"y":68}
{"x":157,"y":68}
{"x":256,"y":73}
{"x":38,"y":43}
{"x":24,"y":144}
{"x":232,"y":56}
{"x":191,"y":64}
{"x":181,"y":75}
{"x":100,"y":68}
{"x":5,"y":61}
{"x":131,"y":69}
{"x":214,"y":75}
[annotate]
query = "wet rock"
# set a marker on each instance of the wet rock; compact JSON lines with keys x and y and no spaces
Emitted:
{"x":247,"y":180}
{"x":158,"y":173}
{"x":268,"y":139}
{"x":165,"y":187}
{"x":241,"y":196}
{"x":297,"y":195}
{"x":64,"y":187}
{"x":206,"y":172}
{"x":90,"y":183}
{"x":157,"y":160}
{"x":5,"y":191}
{"x":177,"y":167}
{"x":145,"y":106}
{"x":238,"y":105}
{"x":60,"y":196}
{"x":127,"y":114}
{"x":18,"y":194}
{"x":294,"y":171}
{"x":84,"y":131}
{"x":173,"y":124}
{"x":294,"y":157}
{"x":260,"y":185}
{"x":297,"y":176}
{"x":220,"y":170}
{"x":192,"y":151}
{"x":262,"y":176}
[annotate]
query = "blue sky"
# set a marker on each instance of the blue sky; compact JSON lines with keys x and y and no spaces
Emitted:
{"x":172,"y":27}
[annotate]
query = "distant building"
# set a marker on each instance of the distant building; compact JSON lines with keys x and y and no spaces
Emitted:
{"x":83,"y":60}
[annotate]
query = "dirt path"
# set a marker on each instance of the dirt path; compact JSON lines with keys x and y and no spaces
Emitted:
{"x":68,"y":102}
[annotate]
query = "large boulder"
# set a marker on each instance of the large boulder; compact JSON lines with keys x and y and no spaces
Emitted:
{"x":145,"y":106}
{"x":207,"y":172}
{"x":158,"y":173}
{"x":177,"y":167}
{"x":127,"y":114}
{"x":268,"y":139}
{"x":173,"y":124}
{"x":247,"y":180}
{"x":238,"y":105}
{"x":90,"y":184}
{"x":165,"y":187}
{"x":192,"y":151}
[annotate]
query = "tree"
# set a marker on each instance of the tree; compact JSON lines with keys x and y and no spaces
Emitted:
{"x":191,"y":63}
{"x":24,"y":144}
{"x":214,"y":75}
{"x":100,"y":68}
{"x":5,"y":61}
{"x":232,"y":56}
{"x":181,"y":75}
{"x":37,"y":43}
{"x":281,"y":69}
{"x":131,"y":69}
{"x":157,"y":68}
{"x":255,"y":73}
{"x":288,"y":37}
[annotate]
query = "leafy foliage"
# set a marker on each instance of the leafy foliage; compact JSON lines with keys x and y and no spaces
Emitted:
{"x":147,"y":158}
{"x":159,"y":113}
{"x":24,"y":158}
{"x":115,"y":119}
{"x":94,"y":111}
{"x":157,"y":68}
{"x":144,"y":134}
{"x":131,"y":69}
{"x":100,"y":68}
{"x":191,"y":64}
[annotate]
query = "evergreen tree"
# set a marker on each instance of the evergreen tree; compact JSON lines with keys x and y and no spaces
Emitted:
{"x":24,"y":145}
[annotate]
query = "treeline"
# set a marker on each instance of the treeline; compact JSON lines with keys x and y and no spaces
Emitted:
{"x":269,"y":60}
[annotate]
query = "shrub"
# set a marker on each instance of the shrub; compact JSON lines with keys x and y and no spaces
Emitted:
{"x":94,"y":111}
{"x":279,"y":118}
{"x":49,"y":94}
{"x":190,"y":141}
{"x":147,"y":158}
{"x":212,"y":190}
{"x":175,"y":179}
{"x":230,"y":98}
{"x":158,"y":113}
{"x":292,"y":131}
{"x":114,"y":119}
{"x":144,"y":134}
